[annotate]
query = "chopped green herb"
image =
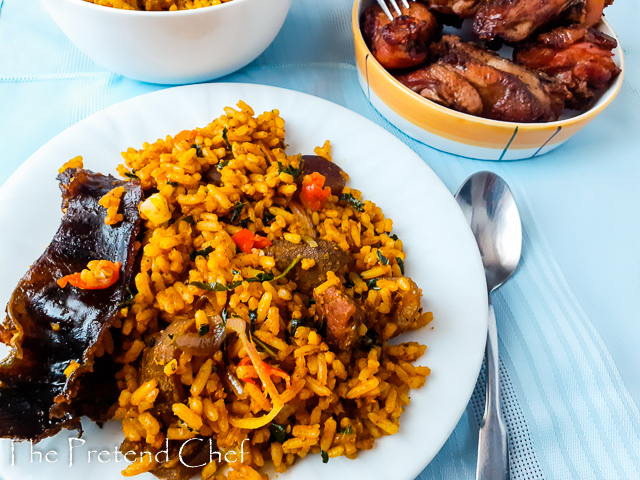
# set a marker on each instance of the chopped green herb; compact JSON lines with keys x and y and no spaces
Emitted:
{"x":355,"y":203}
{"x":291,"y":265}
{"x":294,"y":172}
{"x":369,"y":340}
{"x":130,"y":300}
{"x":198,"y":150}
{"x":400,"y":264}
{"x":237,"y":210}
{"x":223,"y":164}
{"x":345,"y":431}
{"x":253,"y":316}
{"x":372,"y":284}
{"x":224,"y":317}
{"x":132,"y":175}
{"x":268,"y":217}
{"x":203,"y":330}
{"x":189,"y":219}
{"x":325,"y":456}
{"x":394,"y":237}
{"x":263,"y":347}
{"x":383,"y":260}
{"x":216,"y":286}
{"x":260,"y":277}
{"x":225,"y":130}
{"x":278,"y":433}
{"x":235,"y":272}
{"x":173,"y":184}
{"x":204,"y":252}
{"x":299,"y":322}
{"x":171,"y":335}
{"x":245,"y":221}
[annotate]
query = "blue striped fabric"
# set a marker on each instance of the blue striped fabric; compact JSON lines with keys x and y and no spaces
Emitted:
{"x":568,"y":321}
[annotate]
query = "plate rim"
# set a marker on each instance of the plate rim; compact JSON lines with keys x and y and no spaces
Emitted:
{"x":15,"y":179}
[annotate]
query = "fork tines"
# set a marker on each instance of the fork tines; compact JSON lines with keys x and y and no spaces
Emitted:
{"x":395,"y":6}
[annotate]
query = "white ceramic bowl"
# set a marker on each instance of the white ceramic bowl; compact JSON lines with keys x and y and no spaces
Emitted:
{"x":459,"y":133}
{"x":186,"y":46}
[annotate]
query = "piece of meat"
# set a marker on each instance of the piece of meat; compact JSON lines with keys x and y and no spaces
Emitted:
{"x":327,"y":255}
{"x":579,"y":57}
{"x":341,"y":314}
{"x":515,"y":20}
{"x":154,"y":360}
{"x":407,"y":307}
{"x":48,"y":327}
{"x":460,"y":8}
{"x":440,"y":83}
{"x":212,"y":175}
{"x":509,"y":92}
{"x":333,"y":174}
{"x":403,"y":42}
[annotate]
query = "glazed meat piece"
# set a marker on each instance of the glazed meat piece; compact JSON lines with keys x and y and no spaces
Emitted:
{"x":507,"y":91}
{"x":515,"y":20}
{"x":334,"y":176}
{"x":460,"y":8}
{"x":327,"y":255}
{"x":342,"y":314}
{"x":48,"y":327}
{"x":579,"y":57}
{"x":403,"y":42}
{"x":440,"y":83}
{"x":407,"y":307}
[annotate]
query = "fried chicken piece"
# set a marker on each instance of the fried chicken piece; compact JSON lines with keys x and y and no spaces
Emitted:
{"x":515,"y":20}
{"x":442,"y":84}
{"x":403,"y":42}
{"x":503,"y":90}
{"x":461,"y":8}
{"x":577,"y":56}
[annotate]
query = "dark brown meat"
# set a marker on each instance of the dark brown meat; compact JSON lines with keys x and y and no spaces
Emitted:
{"x":36,"y":393}
{"x":579,"y":57}
{"x":333,"y":174}
{"x":342,"y":315}
{"x":515,"y":20}
{"x":460,"y":8}
{"x":403,"y":42}
{"x":154,"y":360}
{"x":213,"y":175}
{"x":327,"y":255}
{"x":440,"y":83}
{"x":508,"y":91}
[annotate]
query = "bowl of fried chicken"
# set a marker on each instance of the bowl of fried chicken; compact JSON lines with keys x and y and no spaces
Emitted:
{"x":488,"y":79}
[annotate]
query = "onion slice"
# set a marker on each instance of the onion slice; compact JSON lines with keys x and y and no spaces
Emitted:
{"x":239,"y":326}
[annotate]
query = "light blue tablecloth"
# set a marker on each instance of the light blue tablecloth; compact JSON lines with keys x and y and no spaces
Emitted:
{"x":568,"y":322}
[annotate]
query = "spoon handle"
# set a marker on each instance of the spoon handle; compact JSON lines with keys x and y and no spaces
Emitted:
{"x":493,"y":455}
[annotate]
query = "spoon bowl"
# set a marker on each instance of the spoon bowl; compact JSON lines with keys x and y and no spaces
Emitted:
{"x":492,"y":214}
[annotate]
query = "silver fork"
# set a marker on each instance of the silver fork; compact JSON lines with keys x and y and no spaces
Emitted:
{"x":395,"y":6}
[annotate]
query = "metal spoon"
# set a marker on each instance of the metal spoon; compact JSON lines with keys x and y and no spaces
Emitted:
{"x":488,"y":205}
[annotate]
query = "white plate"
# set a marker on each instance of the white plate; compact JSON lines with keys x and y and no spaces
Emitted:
{"x":442,"y":258}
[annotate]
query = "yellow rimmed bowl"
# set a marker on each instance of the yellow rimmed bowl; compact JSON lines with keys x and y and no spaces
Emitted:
{"x":460,"y":133}
{"x":186,"y":46}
